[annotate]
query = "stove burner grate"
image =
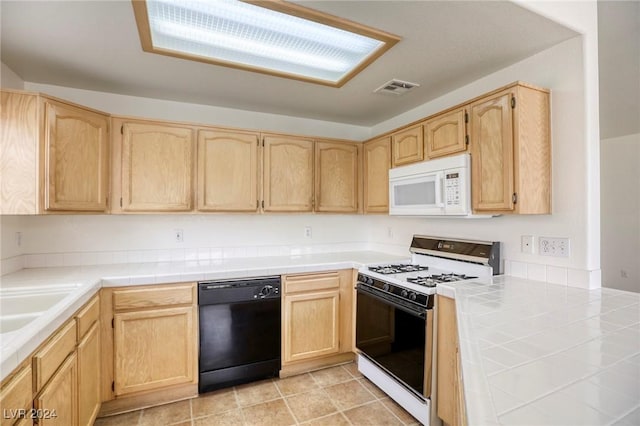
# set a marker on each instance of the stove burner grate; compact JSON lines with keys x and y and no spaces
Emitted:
{"x":397,"y":269}
{"x":432,"y":280}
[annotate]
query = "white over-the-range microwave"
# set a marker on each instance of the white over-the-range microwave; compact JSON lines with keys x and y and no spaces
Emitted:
{"x":440,"y":187}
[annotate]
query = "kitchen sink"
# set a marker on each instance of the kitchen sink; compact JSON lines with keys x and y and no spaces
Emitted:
{"x":15,"y":322}
{"x":19,"y":307}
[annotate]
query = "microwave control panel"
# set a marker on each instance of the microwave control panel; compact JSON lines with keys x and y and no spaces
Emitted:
{"x":455,"y":197}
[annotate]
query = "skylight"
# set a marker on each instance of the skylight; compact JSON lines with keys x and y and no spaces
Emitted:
{"x":276,"y":37}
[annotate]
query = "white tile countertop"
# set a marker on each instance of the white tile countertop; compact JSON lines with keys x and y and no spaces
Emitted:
{"x":86,"y":280}
{"x":534,"y":353}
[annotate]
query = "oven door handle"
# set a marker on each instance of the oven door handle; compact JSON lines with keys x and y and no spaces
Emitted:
{"x":414,"y":312}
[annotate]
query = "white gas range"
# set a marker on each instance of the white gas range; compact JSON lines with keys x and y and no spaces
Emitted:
{"x":394,"y":315}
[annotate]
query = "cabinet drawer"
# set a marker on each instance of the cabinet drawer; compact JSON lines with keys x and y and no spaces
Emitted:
{"x":311,"y":282}
{"x":49,"y":358}
{"x":16,"y":395}
{"x":87,"y":316}
{"x":148,"y":297}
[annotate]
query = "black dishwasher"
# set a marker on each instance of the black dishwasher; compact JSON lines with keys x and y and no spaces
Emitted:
{"x":239,"y":331}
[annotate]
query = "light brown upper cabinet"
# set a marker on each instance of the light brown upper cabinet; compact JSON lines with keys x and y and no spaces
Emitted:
{"x":445,"y":134}
{"x":77,"y":158}
{"x":407,"y":146}
{"x":510,"y":151}
{"x":155,"y":166}
{"x":227,"y":171}
{"x":377,"y":161}
{"x":287,"y":178}
{"x":336,"y":177}
{"x":55,"y":156}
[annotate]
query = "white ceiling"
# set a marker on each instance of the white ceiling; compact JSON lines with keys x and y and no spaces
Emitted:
{"x":94,"y":45}
{"x":619,"y":67}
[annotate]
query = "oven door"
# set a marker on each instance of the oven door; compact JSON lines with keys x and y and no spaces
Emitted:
{"x":396,"y":337}
{"x":419,"y":194}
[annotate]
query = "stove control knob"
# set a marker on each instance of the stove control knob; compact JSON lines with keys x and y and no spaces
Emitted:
{"x":413,"y":296}
{"x":386,"y":287}
{"x":404,"y":293}
{"x":370,"y":281}
{"x":360,"y":277}
{"x":266,"y":290}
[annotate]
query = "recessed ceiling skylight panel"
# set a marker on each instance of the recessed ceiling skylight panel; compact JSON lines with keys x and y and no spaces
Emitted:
{"x":243,"y":35}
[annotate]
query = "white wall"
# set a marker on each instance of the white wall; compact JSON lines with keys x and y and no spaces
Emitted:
{"x":86,"y":239}
{"x":202,"y":114}
{"x":620,"y":207}
{"x":11,"y":252}
{"x":9,"y":79}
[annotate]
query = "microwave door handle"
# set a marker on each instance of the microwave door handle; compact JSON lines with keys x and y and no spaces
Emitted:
{"x":440,"y":190}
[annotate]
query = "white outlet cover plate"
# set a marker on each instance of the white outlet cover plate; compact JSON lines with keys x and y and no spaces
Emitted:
{"x":554,"y":246}
{"x":527,"y":244}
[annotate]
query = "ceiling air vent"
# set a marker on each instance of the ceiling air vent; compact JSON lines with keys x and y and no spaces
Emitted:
{"x":396,"y":87}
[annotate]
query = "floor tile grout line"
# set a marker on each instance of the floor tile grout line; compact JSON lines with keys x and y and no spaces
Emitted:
{"x":318,"y":389}
{"x":286,"y":403}
{"x":235,"y":395}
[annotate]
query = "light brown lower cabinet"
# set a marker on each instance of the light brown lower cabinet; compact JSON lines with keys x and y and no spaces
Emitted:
{"x":316,"y":317}
{"x":311,"y":324}
{"x":16,"y":395}
{"x":154,"y":338}
{"x":57,"y":403}
{"x":89,"y":376}
{"x":153,"y":349}
{"x":450,"y":403}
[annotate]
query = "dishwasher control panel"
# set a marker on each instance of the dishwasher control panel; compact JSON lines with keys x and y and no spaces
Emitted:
{"x":243,"y":290}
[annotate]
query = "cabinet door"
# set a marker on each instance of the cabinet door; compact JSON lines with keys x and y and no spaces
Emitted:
{"x":336,"y":177}
{"x":288,"y":174}
{"x":445,"y":134}
{"x":311,"y":325}
{"x":76,"y":152}
{"x":89,"y":376}
{"x":19,"y":141}
{"x":16,"y":395}
{"x":449,"y":392}
{"x":157,"y":162}
{"x":227,"y":171}
{"x":154,"y":349}
{"x":492,"y":180}
{"x":59,"y":398}
{"x":407,"y":146}
{"x":377,"y":160}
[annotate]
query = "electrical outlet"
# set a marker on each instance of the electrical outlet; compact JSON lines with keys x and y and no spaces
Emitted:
{"x":526,"y":244}
{"x":623,"y":273}
{"x":558,"y":247}
{"x":18,"y":239}
{"x":390,"y":232}
{"x":307,"y":232}
{"x":178,"y":235}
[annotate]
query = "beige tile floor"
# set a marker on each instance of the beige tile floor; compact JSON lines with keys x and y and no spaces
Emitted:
{"x":334,"y":396}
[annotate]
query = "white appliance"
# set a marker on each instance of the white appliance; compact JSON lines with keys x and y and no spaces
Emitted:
{"x":394,"y":315}
{"x":440,"y":187}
